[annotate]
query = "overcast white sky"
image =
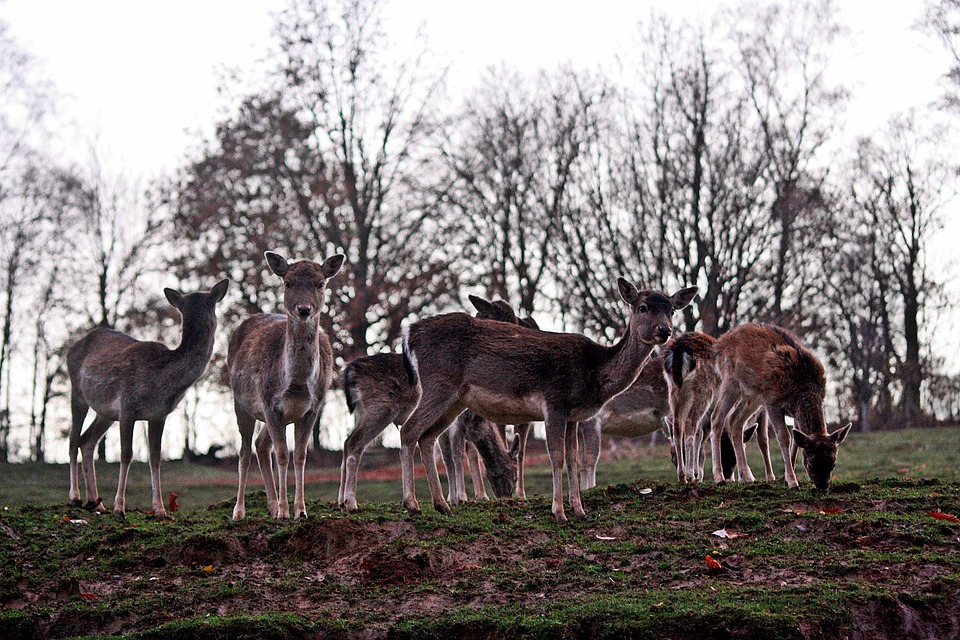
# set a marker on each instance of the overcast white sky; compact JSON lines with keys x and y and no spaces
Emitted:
{"x":142,"y":77}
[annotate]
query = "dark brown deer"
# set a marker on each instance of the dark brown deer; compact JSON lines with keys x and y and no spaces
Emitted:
{"x":511,"y":375}
{"x":123,"y":379}
{"x":762,"y":366}
{"x":471,"y":435}
{"x":380,"y":391}
{"x":638,"y":411}
{"x":280,"y":368}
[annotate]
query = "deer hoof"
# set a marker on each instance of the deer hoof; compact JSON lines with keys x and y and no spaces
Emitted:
{"x":413,"y":508}
{"x":75,"y":502}
{"x":120,"y":515}
{"x":93,"y":505}
{"x":443,"y":508}
{"x":303,"y":516}
{"x":348,"y":507}
{"x":561,"y":518}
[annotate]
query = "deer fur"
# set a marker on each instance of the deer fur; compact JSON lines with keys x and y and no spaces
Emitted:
{"x":381,"y":391}
{"x":638,"y":411}
{"x":485,"y":443}
{"x":511,"y":375}
{"x":280,"y":368}
{"x":124,"y":379}
{"x":762,"y":366}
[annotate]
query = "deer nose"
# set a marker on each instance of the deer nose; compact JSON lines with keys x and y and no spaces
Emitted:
{"x":663,"y":333}
{"x":304,"y":310}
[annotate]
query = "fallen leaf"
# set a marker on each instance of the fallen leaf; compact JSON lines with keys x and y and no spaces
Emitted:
{"x":723,"y":533}
{"x":72,"y":521}
{"x":713,"y":564}
{"x":605,"y":538}
{"x":832,"y":510}
{"x":208,"y":568}
{"x":89,"y":596}
{"x":172,"y":504}
{"x":940,"y":515}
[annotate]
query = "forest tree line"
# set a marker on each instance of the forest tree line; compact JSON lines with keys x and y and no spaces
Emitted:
{"x":710,"y":155}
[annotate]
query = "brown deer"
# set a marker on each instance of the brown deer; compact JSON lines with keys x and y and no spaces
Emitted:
{"x":123,"y":379}
{"x":280,"y":368}
{"x":477,"y":439}
{"x":380,"y":391}
{"x":638,"y":411}
{"x":762,"y":366}
{"x":511,"y":375}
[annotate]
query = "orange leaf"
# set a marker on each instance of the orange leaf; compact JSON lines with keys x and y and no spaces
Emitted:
{"x":208,"y":568}
{"x":713,"y":564}
{"x":833,"y":510}
{"x":940,"y":515}
{"x":172,"y":504}
{"x":89,"y":596}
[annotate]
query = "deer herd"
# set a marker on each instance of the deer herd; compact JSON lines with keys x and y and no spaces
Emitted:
{"x":458,"y":382}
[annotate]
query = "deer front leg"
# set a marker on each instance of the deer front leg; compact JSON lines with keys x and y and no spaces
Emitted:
{"x":278,"y":437}
{"x":154,"y":438}
{"x":556,"y":428}
{"x":301,"y":438}
{"x":477,"y":471}
{"x":573,"y":476}
{"x":126,"y":457}
{"x":88,"y":447}
{"x":452,"y":465}
{"x":264,"y":445}
{"x":521,"y":431}
{"x":741,"y":414}
{"x":589,"y":437}
{"x":763,"y":441}
{"x":246,"y":425}
{"x":785,"y":440}
{"x":725,"y":405}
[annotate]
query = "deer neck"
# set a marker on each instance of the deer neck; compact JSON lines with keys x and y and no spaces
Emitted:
{"x":625,"y":359}
{"x":300,"y":349}
{"x":196,"y":344}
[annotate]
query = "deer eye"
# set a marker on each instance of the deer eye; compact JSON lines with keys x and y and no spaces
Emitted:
{"x":287,"y":283}
{"x":642,"y":308}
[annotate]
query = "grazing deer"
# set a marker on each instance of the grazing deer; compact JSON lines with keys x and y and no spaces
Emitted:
{"x":280,"y":368}
{"x":511,"y":374}
{"x":638,"y":411}
{"x":380,"y":391}
{"x":762,"y":366}
{"x":485,"y":443}
{"x":123,"y":379}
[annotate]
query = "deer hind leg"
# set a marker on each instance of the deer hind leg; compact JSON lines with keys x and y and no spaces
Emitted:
{"x":154,"y":439}
{"x":763,"y":441}
{"x":246,"y":424}
{"x":787,"y":447}
{"x":556,"y":427}
{"x":589,"y":435}
{"x":435,"y":404}
{"x":453,"y":463}
{"x":738,"y":418}
{"x":78,"y":413}
{"x":477,"y":471}
{"x":573,"y":476}
{"x":126,"y":457}
{"x":370,"y":422}
{"x":264,"y":446}
{"x":301,"y":438}
{"x":427,"y":442}
{"x":726,"y":404}
{"x":521,"y":431}
{"x":88,"y":446}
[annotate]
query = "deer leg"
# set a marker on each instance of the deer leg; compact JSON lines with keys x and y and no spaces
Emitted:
{"x":785,"y":440}
{"x":264,"y":445}
{"x":433,"y":406}
{"x":301,"y":438}
{"x":126,"y":457}
{"x":370,"y":422}
{"x":88,"y":446}
{"x":589,"y":435}
{"x":154,"y":437}
{"x":455,"y":492}
{"x":556,"y":427}
{"x":246,"y":425}
{"x":278,"y":437}
{"x":521,"y":431}
{"x":78,"y":413}
{"x":573,"y":475}
{"x":477,"y":471}
{"x":725,"y":405}
{"x":427,"y":442}
{"x":763,"y":441}
{"x":741,"y":413}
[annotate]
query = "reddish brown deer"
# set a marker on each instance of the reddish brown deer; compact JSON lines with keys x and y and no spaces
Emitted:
{"x":123,"y":379}
{"x":380,"y":391}
{"x":280,"y":368}
{"x":638,"y":411}
{"x":766,"y":366}
{"x":511,"y":375}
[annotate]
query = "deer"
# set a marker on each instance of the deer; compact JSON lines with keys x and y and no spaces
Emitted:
{"x":280,"y":367}
{"x":381,"y":391}
{"x":512,"y":375}
{"x":125,"y":380}
{"x":766,"y":367}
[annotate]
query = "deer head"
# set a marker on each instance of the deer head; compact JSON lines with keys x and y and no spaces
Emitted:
{"x":303,"y":283}
{"x":651,"y":317}
{"x":197,"y":305}
{"x":496,"y":310}
{"x":820,"y":454}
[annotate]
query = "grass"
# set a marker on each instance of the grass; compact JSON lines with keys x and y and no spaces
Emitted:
{"x":866,"y":559}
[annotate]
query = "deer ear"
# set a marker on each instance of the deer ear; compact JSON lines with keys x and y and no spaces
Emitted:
{"x":800,"y":438}
{"x":840,"y":434}
{"x":529,"y":323}
{"x":628,"y":291}
{"x":331,"y":266}
{"x":277,"y":263}
{"x":219,"y":290}
{"x":515,"y":448}
{"x":481,"y":304}
{"x":174,"y":297}
{"x":683,"y":297}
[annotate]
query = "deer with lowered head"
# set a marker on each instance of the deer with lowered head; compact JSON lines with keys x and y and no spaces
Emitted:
{"x":280,"y":367}
{"x":124,"y":379}
{"x":511,"y":375}
{"x":381,"y":391}
{"x":763,"y":366}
